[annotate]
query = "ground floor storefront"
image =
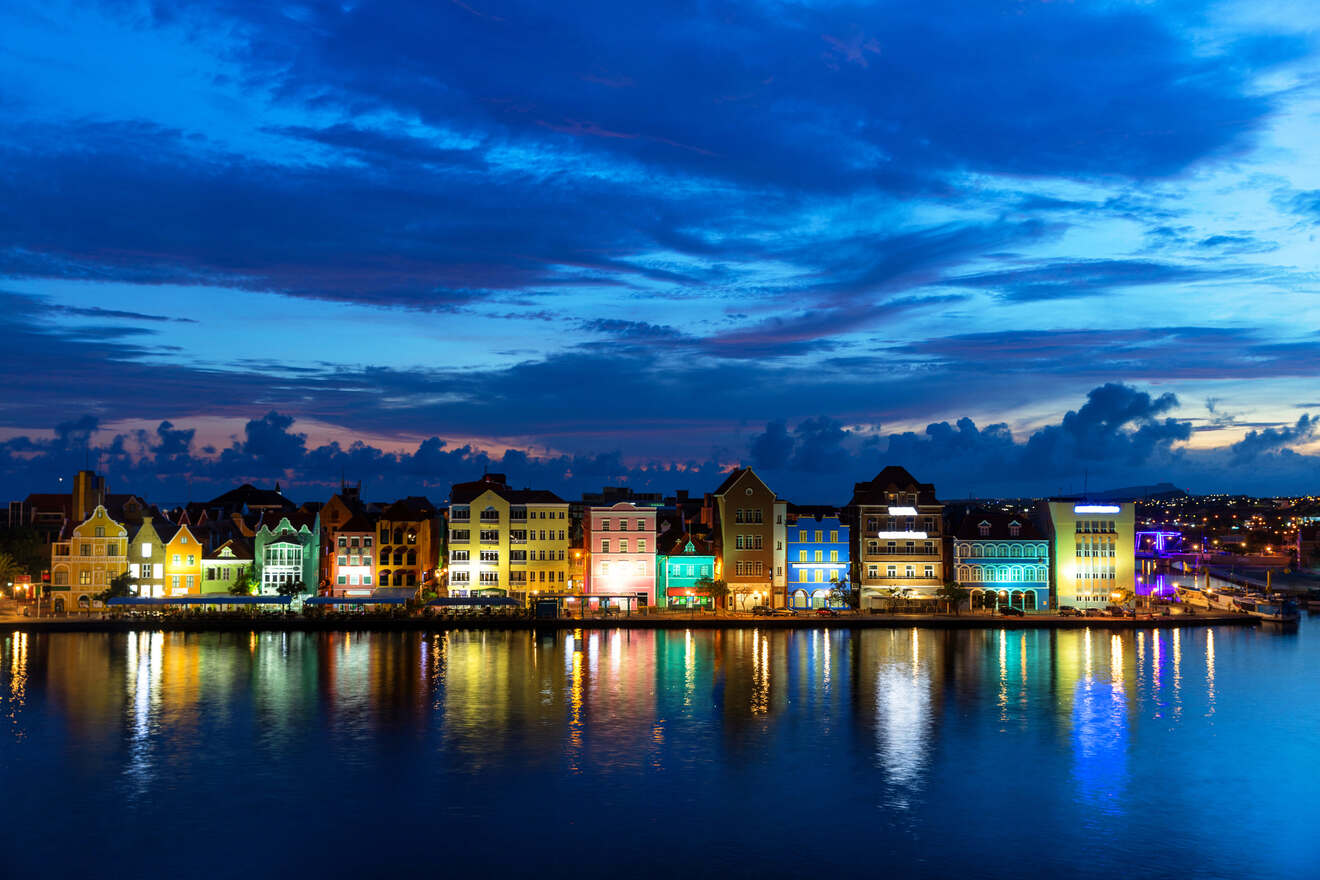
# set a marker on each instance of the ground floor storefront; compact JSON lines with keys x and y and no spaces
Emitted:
{"x":991,"y":596}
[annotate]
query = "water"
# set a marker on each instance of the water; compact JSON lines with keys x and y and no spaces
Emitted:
{"x":1187,"y":753}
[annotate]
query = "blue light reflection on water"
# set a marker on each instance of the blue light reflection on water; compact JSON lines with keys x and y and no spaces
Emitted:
{"x":1187,"y":752}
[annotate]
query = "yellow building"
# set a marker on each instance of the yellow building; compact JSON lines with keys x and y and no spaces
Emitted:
{"x":183,"y":564}
{"x":82,"y":565}
{"x":1092,"y":550}
{"x":506,"y":541}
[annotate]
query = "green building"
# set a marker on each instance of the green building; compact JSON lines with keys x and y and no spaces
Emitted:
{"x":286,"y":549}
{"x":680,"y":568}
{"x":222,"y":566}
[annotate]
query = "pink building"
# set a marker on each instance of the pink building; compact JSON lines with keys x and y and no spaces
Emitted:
{"x":621,"y":542}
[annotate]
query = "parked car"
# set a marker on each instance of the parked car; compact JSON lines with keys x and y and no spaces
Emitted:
{"x":827,"y":612}
{"x":1094,"y":612}
{"x":1010,"y":611}
{"x":761,"y":610}
{"x":1118,"y":611}
{"x":1069,"y":611}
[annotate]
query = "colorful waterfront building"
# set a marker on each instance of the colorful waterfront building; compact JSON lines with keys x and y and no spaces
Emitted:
{"x":620,"y":539}
{"x":82,"y":564}
{"x":351,"y":557}
{"x":750,"y":522}
{"x":222,"y":566}
{"x":505,"y":541}
{"x":898,"y":529}
{"x":408,"y":543}
{"x":146,"y":555}
{"x":286,"y":549}
{"x":817,"y":559}
{"x":1092,"y":549}
{"x":1002,"y":559}
{"x":183,"y":563}
{"x":684,"y":566}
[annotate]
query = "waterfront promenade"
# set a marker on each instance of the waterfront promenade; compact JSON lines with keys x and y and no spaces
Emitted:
{"x":229,"y":622}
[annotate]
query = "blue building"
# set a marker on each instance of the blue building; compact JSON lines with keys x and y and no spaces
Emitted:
{"x":817,"y":558}
{"x":1003,"y":559}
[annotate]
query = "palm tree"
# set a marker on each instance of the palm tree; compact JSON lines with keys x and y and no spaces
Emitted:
{"x":8,"y":568}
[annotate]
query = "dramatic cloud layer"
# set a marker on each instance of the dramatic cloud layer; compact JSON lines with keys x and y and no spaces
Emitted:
{"x":610,"y":237}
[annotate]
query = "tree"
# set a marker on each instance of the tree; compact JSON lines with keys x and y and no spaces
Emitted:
{"x":841,"y":594}
{"x":8,"y":568}
{"x":242,"y":585}
{"x":717,"y":590}
{"x":953,"y":593}
{"x":291,"y":588}
{"x":120,"y":585}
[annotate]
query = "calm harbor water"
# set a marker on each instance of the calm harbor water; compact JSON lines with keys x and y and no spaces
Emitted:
{"x":1192,"y":752}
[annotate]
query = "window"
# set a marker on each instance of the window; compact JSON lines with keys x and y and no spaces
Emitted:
{"x":112,"y":549}
{"x":174,"y":581}
{"x":343,"y":541}
{"x":342,"y":580}
{"x":458,"y":555}
{"x":146,"y":549}
{"x":623,"y":524}
{"x":366,"y":580}
{"x":1014,"y":529}
{"x":641,"y":545}
{"x":834,"y":537}
{"x":84,"y":577}
{"x":490,"y":535}
{"x":342,"y":559}
{"x":802,"y":556}
{"x":891,"y":571}
{"x":834,"y":556}
{"x":459,"y":577}
{"x":820,"y":536}
{"x":461,"y":514}
{"x":190,"y":582}
{"x":757,"y":542}
{"x":820,"y":556}
{"x":737,"y":543}
{"x":641,"y":525}
{"x":604,"y":545}
{"x":492,"y":556}
{"x":820,"y":576}
{"x":176,"y":559}
{"x":192,"y":560}
{"x":984,"y":529}
{"x":85,"y":549}
{"x":604,"y":525}
{"x":909,"y":571}
{"x":623,"y":546}
{"x":930,"y":572}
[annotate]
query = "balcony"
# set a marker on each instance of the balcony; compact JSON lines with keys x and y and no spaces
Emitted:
{"x":904,"y":551}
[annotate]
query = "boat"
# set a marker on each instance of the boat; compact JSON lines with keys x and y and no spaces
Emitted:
{"x":1284,"y":612}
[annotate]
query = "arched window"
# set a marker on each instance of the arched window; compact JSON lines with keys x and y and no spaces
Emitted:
{"x":398,"y":536}
{"x":1029,"y":601}
{"x":964,"y":550}
{"x":964,"y":573}
{"x":412,"y":557}
{"x":976,"y":549}
{"x":384,"y":556}
{"x":385,"y":578}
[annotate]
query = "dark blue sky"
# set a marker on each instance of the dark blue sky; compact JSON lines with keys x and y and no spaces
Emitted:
{"x":1005,"y":244}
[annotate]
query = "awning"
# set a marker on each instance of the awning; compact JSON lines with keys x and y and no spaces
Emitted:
{"x":468,"y":601}
{"x":200,"y":600}
{"x":357,"y":600}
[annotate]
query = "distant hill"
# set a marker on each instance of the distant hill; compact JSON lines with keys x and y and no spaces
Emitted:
{"x":1157,"y":492}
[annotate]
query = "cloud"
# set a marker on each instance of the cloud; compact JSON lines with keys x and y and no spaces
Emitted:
{"x":1259,"y":442}
{"x":1069,"y":280}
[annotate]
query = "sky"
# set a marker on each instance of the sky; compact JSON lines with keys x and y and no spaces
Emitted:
{"x":1018,"y":247}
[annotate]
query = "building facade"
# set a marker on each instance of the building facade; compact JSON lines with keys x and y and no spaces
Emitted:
{"x":1092,"y":550}
{"x":408,"y":544}
{"x":183,"y":563}
{"x":146,"y":556}
{"x":899,"y":537}
{"x":286,"y":549}
{"x":751,"y":528}
{"x":682,"y":569}
{"x":620,"y":541}
{"x":81,"y":566}
{"x":817,"y":559}
{"x":1002,"y":559}
{"x":504,"y":541}
{"x":351,"y":557}
{"x":222,"y":566}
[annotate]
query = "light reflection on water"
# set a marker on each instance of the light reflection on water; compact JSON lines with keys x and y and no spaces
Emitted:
{"x":888,"y":737}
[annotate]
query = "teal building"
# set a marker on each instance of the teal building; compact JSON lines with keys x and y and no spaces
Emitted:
{"x":681,"y":566}
{"x":286,"y":548}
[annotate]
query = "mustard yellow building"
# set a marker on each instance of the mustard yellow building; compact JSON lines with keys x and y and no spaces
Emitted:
{"x":82,"y":564}
{"x":1092,"y":550}
{"x":183,"y":564}
{"x":505,"y":541}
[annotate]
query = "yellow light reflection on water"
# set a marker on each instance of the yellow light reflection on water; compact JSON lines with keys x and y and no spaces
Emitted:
{"x":1210,"y":669}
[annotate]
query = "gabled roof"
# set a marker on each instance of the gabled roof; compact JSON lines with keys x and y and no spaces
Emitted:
{"x":248,"y":495}
{"x":358,"y":522}
{"x":735,"y":475}
{"x":999,"y":522}
{"x":676,"y":545}
{"x":242,"y":550}
{"x":891,"y":479}
{"x":466,"y":493}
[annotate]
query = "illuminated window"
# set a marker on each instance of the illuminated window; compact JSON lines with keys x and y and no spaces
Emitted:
{"x":146,"y":549}
{"x":604,"y":545}
{"x":641,"y":545}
